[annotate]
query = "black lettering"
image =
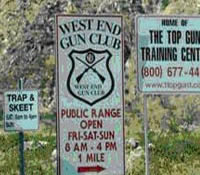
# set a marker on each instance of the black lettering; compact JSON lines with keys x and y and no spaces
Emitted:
{"x":174,"y":36}
{"x":169,"y":22}
{"x":159,"y":54}
{"x":116,"y":44}
{"x":156,"y":36}
{"x":64,"y":28}
{"x":190,"y":54}
{"x":192,"y":37}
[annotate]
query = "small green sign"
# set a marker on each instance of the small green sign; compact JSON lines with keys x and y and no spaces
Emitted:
{"x":168,"y":54}
{"x":21,"y":110}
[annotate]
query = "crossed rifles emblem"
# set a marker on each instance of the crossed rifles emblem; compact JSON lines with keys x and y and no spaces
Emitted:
{"x":90,"y":63}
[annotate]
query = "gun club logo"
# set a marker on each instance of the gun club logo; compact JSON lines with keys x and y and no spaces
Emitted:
{"x":90,"y":79}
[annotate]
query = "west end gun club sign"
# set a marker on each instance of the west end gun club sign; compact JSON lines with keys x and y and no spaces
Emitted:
{"x":90,"y":104}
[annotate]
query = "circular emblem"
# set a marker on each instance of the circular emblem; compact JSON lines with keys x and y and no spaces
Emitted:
{"x":90,"y":58}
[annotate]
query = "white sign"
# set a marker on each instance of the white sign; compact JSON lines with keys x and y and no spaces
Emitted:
{"x":90,"y":95}
{"x":21,"y":110}
{"x":168,"y":54}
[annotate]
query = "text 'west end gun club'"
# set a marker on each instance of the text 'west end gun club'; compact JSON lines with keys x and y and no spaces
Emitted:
{"x":105,"y":33}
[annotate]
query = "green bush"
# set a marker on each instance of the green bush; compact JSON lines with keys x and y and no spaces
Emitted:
{"x":165,"y":3}
{"x":175,"y":153}
{"x":37,"y":159}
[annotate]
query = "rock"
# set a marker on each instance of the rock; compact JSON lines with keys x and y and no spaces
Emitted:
{"x":151,"y":146}
{"x":133,"y":143}
{"x":54,"y":158}
{"x":29,"y":145}
{"x":42,"y":143}
{"x":133,"y":156}
{"x":189,"y":127}
{"x":136,"y":153}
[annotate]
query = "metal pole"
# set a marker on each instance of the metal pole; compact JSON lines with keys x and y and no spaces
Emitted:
{"x":21,"y":140}
{"x":21,"y":152}
{"x":146,"y":137}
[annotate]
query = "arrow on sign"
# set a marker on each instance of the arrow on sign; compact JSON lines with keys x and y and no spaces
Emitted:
{"x":90,"y":169}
